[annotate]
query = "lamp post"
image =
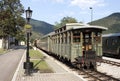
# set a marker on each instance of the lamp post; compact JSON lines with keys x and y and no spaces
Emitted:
{"x":91,"y":14}
{"x":28,"y":66}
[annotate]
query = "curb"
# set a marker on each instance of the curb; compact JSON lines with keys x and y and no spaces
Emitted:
{"x":62,"y":65}
{"x":17,"y":70}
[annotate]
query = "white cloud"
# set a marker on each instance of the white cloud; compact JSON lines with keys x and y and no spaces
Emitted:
{"x":83,"y":4}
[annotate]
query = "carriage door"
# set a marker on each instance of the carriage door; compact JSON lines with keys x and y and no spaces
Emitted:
{"x":87,"y":41}
{"x":88,"y":53}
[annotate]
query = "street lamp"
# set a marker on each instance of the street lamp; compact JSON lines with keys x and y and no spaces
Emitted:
{"x":28,"y":14}
{"x":28,"y":66}
{"x":91,"y":14}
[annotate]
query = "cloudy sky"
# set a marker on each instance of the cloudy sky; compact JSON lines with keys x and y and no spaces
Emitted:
{"x":52,"y":11}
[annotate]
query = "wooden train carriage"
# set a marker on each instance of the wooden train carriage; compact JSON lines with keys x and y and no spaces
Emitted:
{"x":76,"y":41}
{"x":111,"y":45}
{"x":46,"y":43}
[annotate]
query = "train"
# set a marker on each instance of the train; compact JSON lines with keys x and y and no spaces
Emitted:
{"x":111,"y":45}
{"x":77,"y":43}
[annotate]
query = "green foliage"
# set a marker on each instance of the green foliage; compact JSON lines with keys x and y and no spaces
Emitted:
{"x":65,"y":20}
{"x":20,"y":36}
{"x":41,"y":27}
{"x":112,"y":22}
{"x":35,"y":35}
{"x":10,"y":17}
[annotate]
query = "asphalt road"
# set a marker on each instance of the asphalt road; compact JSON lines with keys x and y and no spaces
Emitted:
{"x":9,"y":63}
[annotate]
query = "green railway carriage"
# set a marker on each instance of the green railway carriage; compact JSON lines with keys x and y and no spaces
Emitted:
{"x":111,"y":45}
{"x":77,"y":42}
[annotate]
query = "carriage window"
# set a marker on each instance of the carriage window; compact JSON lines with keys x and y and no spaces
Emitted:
{"x":76,"y":37}
{"x":97,"y":37}
{"x":87,"y":41}
{"x":114,"y":41}
{"x":107,"y":42}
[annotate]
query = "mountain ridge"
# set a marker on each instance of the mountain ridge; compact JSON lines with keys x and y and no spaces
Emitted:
{"x":112,"y":22}
{"x":41,"y":26}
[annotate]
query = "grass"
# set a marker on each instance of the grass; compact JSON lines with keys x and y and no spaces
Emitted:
{"x":35,"y":54}
{"x":39,"y":62}
{"x":2,"y":51}
{"x":42,"y":66}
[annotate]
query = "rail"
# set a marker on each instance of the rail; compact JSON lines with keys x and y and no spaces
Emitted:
{"x":110,"y":62}
{"x":96,"y":76}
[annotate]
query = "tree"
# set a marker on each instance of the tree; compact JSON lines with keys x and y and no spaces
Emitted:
{"x":65,"y":20}
{"x":10,"y":17}
{"x":11,"y":21}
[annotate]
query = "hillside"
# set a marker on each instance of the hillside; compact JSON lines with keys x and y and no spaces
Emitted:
{"x":41,"y":26}
{"x":112,"y":22}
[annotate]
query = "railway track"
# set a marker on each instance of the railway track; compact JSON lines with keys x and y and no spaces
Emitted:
{"x":96,"y":76}
{"x":110,"y":62}
{"x":92,"y":75}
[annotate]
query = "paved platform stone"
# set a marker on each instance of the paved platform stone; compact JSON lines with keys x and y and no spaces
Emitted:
{"x":59,"y":75}
{"x":50,"y":77}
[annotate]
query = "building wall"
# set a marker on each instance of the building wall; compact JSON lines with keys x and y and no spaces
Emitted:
{"x":5,"y":43}
{"x":1,"y":43}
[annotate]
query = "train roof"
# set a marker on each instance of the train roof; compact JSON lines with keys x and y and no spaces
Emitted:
{"x":74,"y":26}
{"x":111,"y":35}
{"x":70,"y":26}
{"x":49,"y":34}
{"x":89,"y":26}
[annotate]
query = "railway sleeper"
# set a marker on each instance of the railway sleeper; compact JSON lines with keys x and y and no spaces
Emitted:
{"x":86,"y":76}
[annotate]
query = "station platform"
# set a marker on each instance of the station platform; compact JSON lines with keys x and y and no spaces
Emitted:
{"x":50,"y":77}
{"x":61,"y":73}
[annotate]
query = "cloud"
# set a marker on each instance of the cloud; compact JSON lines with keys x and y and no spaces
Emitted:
{"x":83,"y":4}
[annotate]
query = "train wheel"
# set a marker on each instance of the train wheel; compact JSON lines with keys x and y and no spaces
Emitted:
{"x":91,"y":67}
{"x":85,"y":66}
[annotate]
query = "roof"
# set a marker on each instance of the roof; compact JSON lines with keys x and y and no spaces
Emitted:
{"x":72,"y":26}
{"x":49,"y":34}
{"x":76,"y":24}
{"x":81,"y":25}
{"x":90,"y":26}
{"x":111,"y":35}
